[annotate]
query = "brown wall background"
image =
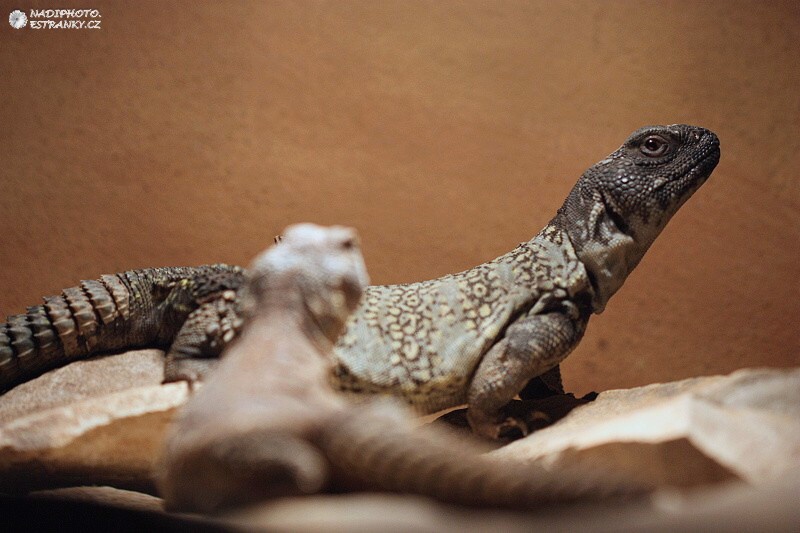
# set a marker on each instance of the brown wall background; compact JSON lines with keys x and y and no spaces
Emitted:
{"x":446,"y":132}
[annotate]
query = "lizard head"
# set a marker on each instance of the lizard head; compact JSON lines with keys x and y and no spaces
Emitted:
{"x":318,"y":271}
{"x":621,"y":204}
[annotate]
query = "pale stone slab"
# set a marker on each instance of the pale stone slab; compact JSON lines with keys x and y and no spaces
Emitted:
{"x":83,"y":379}
{"x":101,"y":421}
{"x":98,"y":421}
{"x":700,"y":430}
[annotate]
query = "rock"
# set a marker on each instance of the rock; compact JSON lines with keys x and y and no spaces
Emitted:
{"x":101,"y":421}
{"x":98,"y":509}
{"x":730,"y":507}
{"x":701,"y":430}
{"x":109,"y":496}
{"x":97,"y":421}
{"x":83,"y":379}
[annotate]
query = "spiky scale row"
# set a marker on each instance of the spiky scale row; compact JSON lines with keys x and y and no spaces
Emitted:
{"x":21,"y":336}
{"x":60,"y":316}
{"x":136,"y":308}
{"x":118,"y":293}
{"x":44,"y":335}
{"x":83,"y":315}
{"x":102,"y":302}
{"x":64,"y":328}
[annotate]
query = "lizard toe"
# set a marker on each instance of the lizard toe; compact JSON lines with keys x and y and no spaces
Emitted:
{"x":512,"y":429}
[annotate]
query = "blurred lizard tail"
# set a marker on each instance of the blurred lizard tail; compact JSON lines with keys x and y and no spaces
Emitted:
{"x":376,"y":447}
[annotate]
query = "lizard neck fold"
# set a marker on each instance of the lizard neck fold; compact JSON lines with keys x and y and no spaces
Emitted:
{"x":602,"y":241}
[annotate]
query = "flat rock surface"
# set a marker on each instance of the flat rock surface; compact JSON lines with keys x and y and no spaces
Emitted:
{"x":81,"y":380}
{"x":730,"y":507}
{"x":686,"y":433}
{"x":100,"y":422}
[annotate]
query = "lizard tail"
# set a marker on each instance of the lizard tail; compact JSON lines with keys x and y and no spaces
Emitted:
{"x":66,"y":327}
{"x":378,"y":449}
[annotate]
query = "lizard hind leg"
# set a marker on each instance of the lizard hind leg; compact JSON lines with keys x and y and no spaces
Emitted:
{"x":200,"y":340}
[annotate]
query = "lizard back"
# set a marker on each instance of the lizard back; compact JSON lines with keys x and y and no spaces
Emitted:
{"x":423,"y":341}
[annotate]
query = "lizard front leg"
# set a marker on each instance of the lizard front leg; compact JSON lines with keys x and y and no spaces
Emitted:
{"x":532,"y":345}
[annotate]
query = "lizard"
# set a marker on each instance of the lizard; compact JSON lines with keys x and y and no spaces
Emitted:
{"x":484,"y":335}
{"x":268,"y":423}
{"x":192,"y":311}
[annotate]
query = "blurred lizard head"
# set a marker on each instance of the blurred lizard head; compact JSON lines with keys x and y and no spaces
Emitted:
{"x":320,"y":268}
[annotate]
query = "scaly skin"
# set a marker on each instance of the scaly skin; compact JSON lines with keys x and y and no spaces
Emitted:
{"x":154,"y":307}
{"x":479,"y":336}
{"x":267,"y":423}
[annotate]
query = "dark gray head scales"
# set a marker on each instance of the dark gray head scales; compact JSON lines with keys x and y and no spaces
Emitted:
{"x":621,"y":204}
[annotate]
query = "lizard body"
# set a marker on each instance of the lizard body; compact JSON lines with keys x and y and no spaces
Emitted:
{"x":267,"y":422}
{"x":481,"y":335}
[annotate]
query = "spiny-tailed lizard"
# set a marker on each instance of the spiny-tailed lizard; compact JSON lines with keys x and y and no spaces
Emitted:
{"x":476,"y":337}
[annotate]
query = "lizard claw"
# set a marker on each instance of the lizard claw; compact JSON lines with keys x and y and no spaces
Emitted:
{"x":192,"y":371}
{"x":511,"y":429}
{"x":507,"y":430}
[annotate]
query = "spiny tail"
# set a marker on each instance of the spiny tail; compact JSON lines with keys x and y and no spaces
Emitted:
{"x":377,"y":449}
{"x":114,"y":312}
{"x":66,"y":327}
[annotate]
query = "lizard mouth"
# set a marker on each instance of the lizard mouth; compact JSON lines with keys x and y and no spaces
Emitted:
{"x":696,"y":175}
{"x":682,"y":188}
{"x":709,"y":161}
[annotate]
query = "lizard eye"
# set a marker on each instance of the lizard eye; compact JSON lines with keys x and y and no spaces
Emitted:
{"x":654,"y":146}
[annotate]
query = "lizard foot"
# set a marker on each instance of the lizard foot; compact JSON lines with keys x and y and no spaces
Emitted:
{"x":508,"y":429}
{"x":192,"y":371}
{"x":520,"y":417}
{"x":511,"y":429}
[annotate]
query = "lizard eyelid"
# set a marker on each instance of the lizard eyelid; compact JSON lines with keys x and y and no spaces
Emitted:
{"x":654,"y":146}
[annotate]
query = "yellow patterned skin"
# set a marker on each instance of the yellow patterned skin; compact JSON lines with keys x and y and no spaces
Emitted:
{"x":423,"y":341}
{"x":267,"y":423}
